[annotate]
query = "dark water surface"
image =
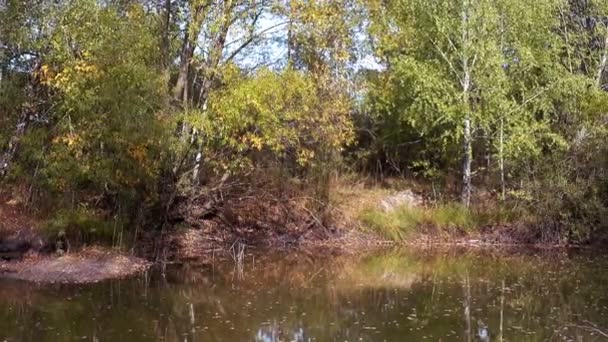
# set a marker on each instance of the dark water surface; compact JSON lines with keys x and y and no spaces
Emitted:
{"x":396,"y":295}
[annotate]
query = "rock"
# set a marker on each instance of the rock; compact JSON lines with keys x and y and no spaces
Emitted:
{"x":404,"y":198}
{"x":13,"y":202}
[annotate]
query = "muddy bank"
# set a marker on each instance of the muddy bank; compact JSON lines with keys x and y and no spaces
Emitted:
{"x":89,"y":266}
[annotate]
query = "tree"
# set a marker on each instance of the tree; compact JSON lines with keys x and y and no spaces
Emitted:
{"x":454,"y":65}
{"x":22,"y":43}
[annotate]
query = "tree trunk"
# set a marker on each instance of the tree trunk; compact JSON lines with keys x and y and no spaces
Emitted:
{"x":164,"y":11}
{"x":193,"y":29}
{"x":8,"y":155}
{"x":215,"y":55}
{"x":208,"y":78}
{"x":467,"y":160}
{"x":466,"y":87}
{"x":198,"y":163}
{"x":23,"y":121}
{"x":501,"y":162}
{"x":180,"y":91}
{"x":603,"y":62}
{"x":291,"y":36}
{"x":501,"y":138}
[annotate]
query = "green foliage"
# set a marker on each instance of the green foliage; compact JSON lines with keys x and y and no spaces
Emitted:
{"x":429,"y":50}
{"x":534,"y":102}
{"x":259,"y":114}
{"x":134,"y":95}
{"x":130,"y":105}
{"x":11,"y":98}
{"x":107,"y":137}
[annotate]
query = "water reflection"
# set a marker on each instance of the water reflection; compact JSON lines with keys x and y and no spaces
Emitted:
{"x":274,"y":333}
{"x":448,"y":295}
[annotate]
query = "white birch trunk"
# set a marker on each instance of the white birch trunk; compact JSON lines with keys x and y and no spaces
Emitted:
{"x":501,"y":157}
{"x":501,"y":143}
{"x":603,"y":61}
{"x":198,"y":162}
{"x":9,"y":155}
{"x":466,"y":87}
{"x":466,"y":167}
{"x":197,"y":165}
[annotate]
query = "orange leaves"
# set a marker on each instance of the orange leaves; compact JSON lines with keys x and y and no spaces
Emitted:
{"x":86,"y":68}
{"x":69,"y":139}
{"x":139,"y":153}
{"x":46,"y":74}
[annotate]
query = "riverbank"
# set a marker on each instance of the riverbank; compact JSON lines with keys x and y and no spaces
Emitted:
{"x":357,"y":217}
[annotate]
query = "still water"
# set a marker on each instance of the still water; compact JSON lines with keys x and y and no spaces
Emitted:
{"x":396,"y":295}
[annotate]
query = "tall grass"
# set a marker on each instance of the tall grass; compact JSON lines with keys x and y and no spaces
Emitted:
{"x":403,"y":222}
{"x":396,"y":225}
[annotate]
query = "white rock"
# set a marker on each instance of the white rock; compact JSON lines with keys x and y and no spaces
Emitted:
{"x":400,"y":199}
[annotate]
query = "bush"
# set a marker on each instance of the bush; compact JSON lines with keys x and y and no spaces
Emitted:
{"x":84,"y":226}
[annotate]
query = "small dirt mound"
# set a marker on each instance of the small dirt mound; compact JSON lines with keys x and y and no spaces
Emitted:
{"x":85,"y":267}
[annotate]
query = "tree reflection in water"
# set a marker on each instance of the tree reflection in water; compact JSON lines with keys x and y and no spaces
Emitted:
{"x":274,"y":333}
{"x":413,"y":295}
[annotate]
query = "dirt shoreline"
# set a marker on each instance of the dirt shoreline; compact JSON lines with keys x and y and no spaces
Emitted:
{"x":89,"y":266}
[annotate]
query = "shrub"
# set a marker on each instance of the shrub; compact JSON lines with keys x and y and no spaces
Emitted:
{"x":84,"y":226}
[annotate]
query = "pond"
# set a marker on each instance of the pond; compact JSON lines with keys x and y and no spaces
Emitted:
{"x":391,"y":295}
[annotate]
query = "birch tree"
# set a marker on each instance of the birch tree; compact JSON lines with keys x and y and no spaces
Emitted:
{"x":445,"y":56}
{"x":458,"y":67}
{"x":23,"y":37}
{"x":215,"y":33}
